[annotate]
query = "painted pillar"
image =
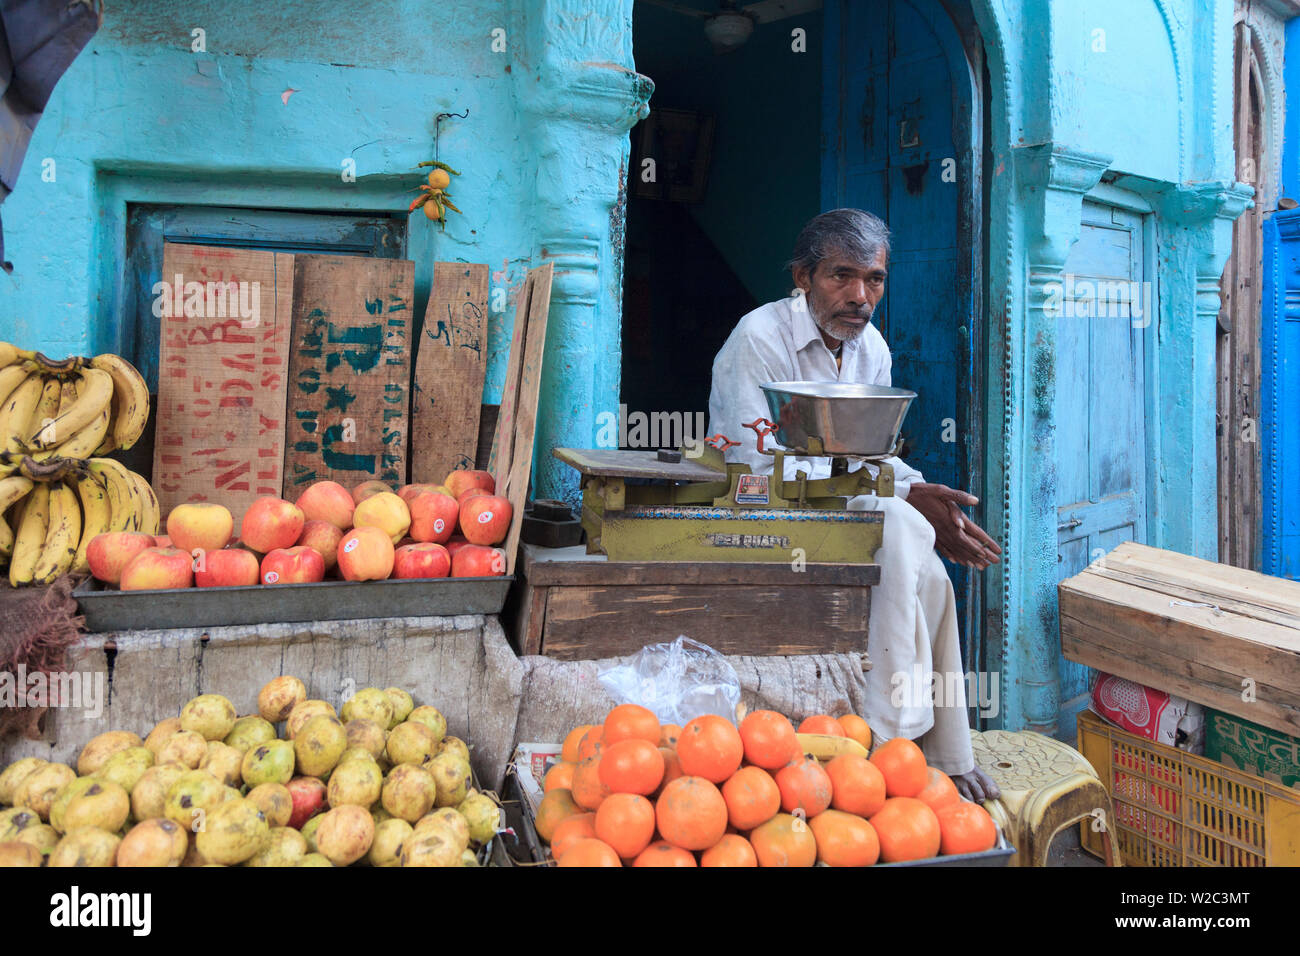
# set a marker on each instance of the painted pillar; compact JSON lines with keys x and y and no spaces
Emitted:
{"x":1050,"y":181}
{"x":580,"y":98}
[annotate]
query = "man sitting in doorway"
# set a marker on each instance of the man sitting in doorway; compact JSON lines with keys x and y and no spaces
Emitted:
{"x":823,"y":333}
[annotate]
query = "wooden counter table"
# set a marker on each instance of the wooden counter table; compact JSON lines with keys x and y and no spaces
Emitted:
{"x":572,"y":605}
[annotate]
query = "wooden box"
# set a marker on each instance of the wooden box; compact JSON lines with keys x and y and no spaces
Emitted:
{"x":1215,"y":634}
{"x":574,"y":606}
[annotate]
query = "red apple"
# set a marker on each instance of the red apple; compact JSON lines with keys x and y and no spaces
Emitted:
{"x":455,"y":543}
{"x":476,"y":561}
{"x":327,"y":501}
{"x":323,"y":537}
{"x":297,"y":565}
{"x":228,"y":567}
{"x":367,"y":488}
{"x":157,"y":568}
{"x":459,"y":480}
{"x":423,"y":560}
{"x":471,"y":493}
{"x":433,"y":516}
{"x":271,"y":523}
{"x":110,"y":552}
{"x":366,"y":554}
{"x":408,"y":492}
{"x":308,"y":795}
{"x":485,"y":519}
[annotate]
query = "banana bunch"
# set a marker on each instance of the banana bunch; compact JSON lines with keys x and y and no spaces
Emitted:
{"x":52,"y":508}
{"x":74,"y":408}
{"x":435,"y":199}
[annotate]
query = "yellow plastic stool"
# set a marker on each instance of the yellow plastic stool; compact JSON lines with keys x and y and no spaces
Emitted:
{"x":1046,"y":786}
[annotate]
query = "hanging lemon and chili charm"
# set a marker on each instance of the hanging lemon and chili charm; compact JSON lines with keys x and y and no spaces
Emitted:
{"x":434,"y":197}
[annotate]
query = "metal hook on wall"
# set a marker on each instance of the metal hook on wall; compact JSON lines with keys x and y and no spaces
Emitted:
{"x":437,"y":126}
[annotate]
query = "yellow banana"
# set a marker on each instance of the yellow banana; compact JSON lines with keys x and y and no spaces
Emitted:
{"x":827,"y":747}
{"x":122,"y":496}
{"x":130,"y":398}
{"x":29,"y":540}
{"x":93,"y":394}
{"x":8,"y":354}
{"x":62,"y":537}
{"x":11,"y":376}
{"x":47,"y":407}
{"x":151,"y":512}
{"x":17,"y":412}
{"x":83,"y":444}
{"x":97,"y":516}
{"x":12,"y":489}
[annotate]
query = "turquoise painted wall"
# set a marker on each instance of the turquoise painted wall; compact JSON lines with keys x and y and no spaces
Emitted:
{"x":141,"y":117}
{"x":764,"y":180}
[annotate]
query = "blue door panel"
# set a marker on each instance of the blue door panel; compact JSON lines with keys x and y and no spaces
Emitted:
{"x":1280,"y":387}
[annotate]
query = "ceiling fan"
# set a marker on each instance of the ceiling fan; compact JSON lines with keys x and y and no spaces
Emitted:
{"x":728,"y":27}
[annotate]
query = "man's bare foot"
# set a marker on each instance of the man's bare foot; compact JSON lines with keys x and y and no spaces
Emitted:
{"x":976,"y":786}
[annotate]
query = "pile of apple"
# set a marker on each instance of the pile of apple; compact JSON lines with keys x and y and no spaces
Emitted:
{"x":368,"y":534}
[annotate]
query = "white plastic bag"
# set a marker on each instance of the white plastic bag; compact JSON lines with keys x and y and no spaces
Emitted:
{"x":677,"y":681}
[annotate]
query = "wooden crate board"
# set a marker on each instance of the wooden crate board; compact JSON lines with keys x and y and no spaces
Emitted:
{"x":1216,"y":635}
{"x":450,"y":364}
{"x":220,"y":411}
{"x":349,"y":371}
{"x":511,"y":461}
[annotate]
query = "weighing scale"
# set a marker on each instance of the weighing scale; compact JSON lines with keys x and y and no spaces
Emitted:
{"x":691,"y":504}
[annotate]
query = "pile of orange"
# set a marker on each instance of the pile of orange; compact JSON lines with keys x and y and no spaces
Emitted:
{"x":634,"y":792}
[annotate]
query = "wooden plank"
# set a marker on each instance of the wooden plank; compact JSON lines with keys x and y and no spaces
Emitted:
{"x":349,"y":373}
{"x":1230,"y":583}
{"x":535,"y":628}
{"x":617,"y":462}
{"x":671,"y":573}
{"x":512,"y":447}
{"x":223,"y":377}
{"x":450,"y":363}
{"x":593,"y":623}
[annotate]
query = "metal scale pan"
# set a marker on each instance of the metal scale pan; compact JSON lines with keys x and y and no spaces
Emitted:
{"x":838,"y":418}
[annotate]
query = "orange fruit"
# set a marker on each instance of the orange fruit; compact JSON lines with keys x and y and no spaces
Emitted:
{"x":588,"y":790}
{"x":844,"y":839}
{"x":627,"y":721}
{"x":784,"y":841}
{"x":691,"y":813}
{"x":710,"y":747}
{"x":902,"y":764}
{"x":626,"y":821}
{"x":769,"y":739}
{"x":731,"y":850}
{"x":821,"y":724}
{"x":857,"y":786}
{"x":668,"y":734}
{"x":569,"y":752}
{"x":965,"y":827}
{"x":559,"y":777}
{"x":555,"y":806}
{"x":804,"y":786}
{"x":752,"y":798}
{"x":907,"y":829}
{"x":632,"y":766}
{"x":590,"y":853}
{"x":855,"y":728}
{"x":662,"y":853}
{"x":672,"y":769}
{"x":579,"y":826}
{"x":939,"y":790}
{"x":590,"y":743}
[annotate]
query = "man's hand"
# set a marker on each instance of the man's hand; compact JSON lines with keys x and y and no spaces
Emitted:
{"x":976,"y":786}
{"x":956,"y":537}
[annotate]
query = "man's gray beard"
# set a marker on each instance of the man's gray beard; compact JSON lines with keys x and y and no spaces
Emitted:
{"x":833,"y":327}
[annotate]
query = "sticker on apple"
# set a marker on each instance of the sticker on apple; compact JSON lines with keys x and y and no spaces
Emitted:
{"x":484,"y":517}
{"x":271,"y":577}
{"x":351,"y":546}
{"x":438,"y":525}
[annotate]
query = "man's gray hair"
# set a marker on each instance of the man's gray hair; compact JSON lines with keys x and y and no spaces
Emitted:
{"x":853,"y":233}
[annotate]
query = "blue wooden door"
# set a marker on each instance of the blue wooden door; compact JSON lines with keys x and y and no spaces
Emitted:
{"x":1280,"y":395}
{"x":1101,"y":438}
{"x":890,"y":146}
